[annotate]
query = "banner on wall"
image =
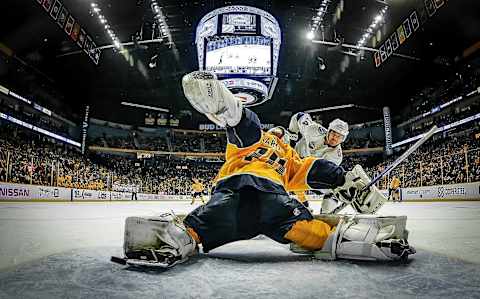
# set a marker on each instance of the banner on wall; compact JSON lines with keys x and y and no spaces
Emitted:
{"x":60,"y":14}
{"x":83,"y":194}
{"x":387,"y":124}
{"x":9,"y":191}
{"x":405,"y":30}
{"x":31,"y":192}
{"x":467,"y":191}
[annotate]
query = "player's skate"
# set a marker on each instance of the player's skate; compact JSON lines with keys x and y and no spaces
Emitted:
{"x":159,"y":241}
{"x":368,"y":237}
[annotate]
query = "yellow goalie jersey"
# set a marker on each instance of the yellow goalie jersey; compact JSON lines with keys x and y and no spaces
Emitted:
{"x":263,"y":161}
{"x":269,"y":159}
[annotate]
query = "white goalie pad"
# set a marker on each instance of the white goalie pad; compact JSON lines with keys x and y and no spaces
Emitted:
{"x":160,"y":241}
{"x":211,"y":97}
{"x":368,"y":237}
{"x":331,"y":205}
{"x":369,"y":204}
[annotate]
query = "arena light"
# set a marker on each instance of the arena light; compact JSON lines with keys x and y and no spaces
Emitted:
{"x":4,"y":90}
{"x":377,"y":21}
{"x":42,"y":109}
{"x":330,"y":108}
{"x":160,"y":20}
{"x":101,"y":18}
{"x":317,"y":19}
{"x":39,"y":130}
{"x":11,"y":93}
{"x":441,"y":129}
{"x":144,"y":106}
{"x":473,"y":92}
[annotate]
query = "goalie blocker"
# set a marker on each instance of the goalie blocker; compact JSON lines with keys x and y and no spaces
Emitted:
{"x":363,"y":201}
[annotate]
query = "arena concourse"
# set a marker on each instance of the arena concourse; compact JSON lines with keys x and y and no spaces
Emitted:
{"x":95,"y":127}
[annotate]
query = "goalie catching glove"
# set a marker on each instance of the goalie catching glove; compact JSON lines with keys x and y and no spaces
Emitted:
{"x":363,"y":201}
{"x":211,"y":97}
{"x":160,"y":241}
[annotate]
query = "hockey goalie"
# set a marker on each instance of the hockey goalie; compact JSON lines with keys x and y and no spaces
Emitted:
{"x":250,"y":197}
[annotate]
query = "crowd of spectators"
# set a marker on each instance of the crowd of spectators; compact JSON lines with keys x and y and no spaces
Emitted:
{"x":151,"y":143}
{"x":357,"y":143}
{"x":444,"y":118}
{"x":176,"y":141}
{"x":458,"y":84}
{"x":448,"y":160}
{"x":187,"y":142}
{"x":29,"y":158}
{"x":33,"y":117}
{"x":215,"y":142}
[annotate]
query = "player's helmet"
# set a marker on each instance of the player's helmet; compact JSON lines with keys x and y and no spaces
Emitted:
{"x":340,"y":127}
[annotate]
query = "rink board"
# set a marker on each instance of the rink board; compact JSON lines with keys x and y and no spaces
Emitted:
{"x":21,"y":192}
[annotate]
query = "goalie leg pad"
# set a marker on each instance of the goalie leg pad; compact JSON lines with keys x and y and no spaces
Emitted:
{"x":211,"y":97}
{"x":161,"y":241}
{"x":368,"y":237}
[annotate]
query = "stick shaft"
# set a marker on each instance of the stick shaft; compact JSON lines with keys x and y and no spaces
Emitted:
{"x":404,"y":156}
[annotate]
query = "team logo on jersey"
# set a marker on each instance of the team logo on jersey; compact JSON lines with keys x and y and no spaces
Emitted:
{"x":296,"y":212}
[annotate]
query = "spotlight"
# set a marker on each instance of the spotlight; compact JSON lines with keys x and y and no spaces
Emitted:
{"x":310,"y":35}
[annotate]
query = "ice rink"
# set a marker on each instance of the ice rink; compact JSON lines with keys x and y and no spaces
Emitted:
{"x":62,"y":250}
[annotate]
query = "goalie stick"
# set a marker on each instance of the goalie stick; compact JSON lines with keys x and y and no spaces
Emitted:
{"x":404,"y":156}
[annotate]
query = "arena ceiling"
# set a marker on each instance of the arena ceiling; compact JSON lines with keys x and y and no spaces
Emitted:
{"x":438,"y":44}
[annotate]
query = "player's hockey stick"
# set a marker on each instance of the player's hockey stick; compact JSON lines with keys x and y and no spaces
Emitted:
{"x":405,"y":155}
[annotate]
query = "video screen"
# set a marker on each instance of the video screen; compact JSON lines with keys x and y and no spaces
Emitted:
{"x":239,"y":23}
{"x":239,"y":55}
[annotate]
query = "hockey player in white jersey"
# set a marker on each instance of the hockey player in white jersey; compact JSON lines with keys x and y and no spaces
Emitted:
{"x":319,"y":142}
{"x":325,"y":143}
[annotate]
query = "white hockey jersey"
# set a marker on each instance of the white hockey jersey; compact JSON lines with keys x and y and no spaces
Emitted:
{"x":313,"y":144}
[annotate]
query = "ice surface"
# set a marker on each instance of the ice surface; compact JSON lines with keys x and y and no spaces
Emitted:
{"x":62,"y":250}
